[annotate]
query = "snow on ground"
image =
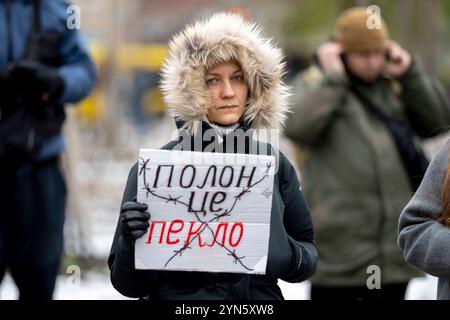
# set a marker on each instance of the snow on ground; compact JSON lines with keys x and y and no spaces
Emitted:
{"x":97,"y":286}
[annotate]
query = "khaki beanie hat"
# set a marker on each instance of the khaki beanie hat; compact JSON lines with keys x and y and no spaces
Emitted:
{"x":354,"y":34}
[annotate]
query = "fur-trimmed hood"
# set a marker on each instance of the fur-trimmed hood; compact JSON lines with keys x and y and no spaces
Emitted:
{"x":224,"y":37}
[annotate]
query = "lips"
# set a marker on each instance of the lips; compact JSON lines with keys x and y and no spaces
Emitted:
{"x":230,"y":107}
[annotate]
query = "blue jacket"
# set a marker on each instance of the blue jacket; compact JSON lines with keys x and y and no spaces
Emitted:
{"x":77,"y":69}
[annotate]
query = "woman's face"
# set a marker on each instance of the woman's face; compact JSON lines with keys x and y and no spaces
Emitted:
{"x":229,"y":92}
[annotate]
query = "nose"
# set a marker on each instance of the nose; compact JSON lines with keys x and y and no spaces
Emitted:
{"x":227,"y":90}
{"x":373,"y":61}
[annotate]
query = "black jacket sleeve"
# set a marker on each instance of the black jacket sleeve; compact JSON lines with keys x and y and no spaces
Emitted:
{"x":298,"y":225}
{"x":124,"y":277}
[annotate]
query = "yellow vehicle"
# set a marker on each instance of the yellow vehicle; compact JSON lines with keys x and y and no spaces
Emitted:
{"x":142,"y":62}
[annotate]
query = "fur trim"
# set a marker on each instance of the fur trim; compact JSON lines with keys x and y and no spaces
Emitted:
{"x":224,"y":37}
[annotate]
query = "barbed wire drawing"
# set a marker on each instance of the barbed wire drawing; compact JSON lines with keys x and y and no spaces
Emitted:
{"x":226,"y":212}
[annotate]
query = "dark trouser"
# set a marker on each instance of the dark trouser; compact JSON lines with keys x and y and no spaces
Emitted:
{"x":387,"y":292}
{"x":32,"y":205}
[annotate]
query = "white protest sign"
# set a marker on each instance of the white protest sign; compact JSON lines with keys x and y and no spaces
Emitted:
{"x":209,"y":211}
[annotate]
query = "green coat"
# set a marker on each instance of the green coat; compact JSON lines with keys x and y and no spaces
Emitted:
{"x":352,"y":174}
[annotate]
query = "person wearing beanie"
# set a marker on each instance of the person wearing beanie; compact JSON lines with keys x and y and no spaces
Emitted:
{"x":355,"y":172}
{"x":222,"y":76}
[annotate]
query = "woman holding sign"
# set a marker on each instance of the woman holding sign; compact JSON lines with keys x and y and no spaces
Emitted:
{"x":222,"y":80}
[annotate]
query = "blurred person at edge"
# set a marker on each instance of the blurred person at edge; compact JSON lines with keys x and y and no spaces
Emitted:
{"x":43,"y":65}
{"x":354,"y":173}
{"x":228,"y":91}
{"x":424,"y":225}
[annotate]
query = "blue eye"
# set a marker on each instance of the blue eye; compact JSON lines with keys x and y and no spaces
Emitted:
{"x":212,"y":81}
{"x":238,"y":77}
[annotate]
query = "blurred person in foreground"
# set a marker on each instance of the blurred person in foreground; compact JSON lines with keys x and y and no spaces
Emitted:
{"x":43,"y":65}
{"x":357,"y":115}
{"x":424,"y":225}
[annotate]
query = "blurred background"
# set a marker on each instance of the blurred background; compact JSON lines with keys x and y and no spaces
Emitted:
{"x":125,"y":112}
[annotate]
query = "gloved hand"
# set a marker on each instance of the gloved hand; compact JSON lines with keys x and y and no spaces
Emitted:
{"x":135,"y":221}
{"x":37,"y":82}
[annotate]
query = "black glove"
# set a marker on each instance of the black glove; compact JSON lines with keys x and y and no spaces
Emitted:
{"x":38,"y":83}
{"x":134,"y":218}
